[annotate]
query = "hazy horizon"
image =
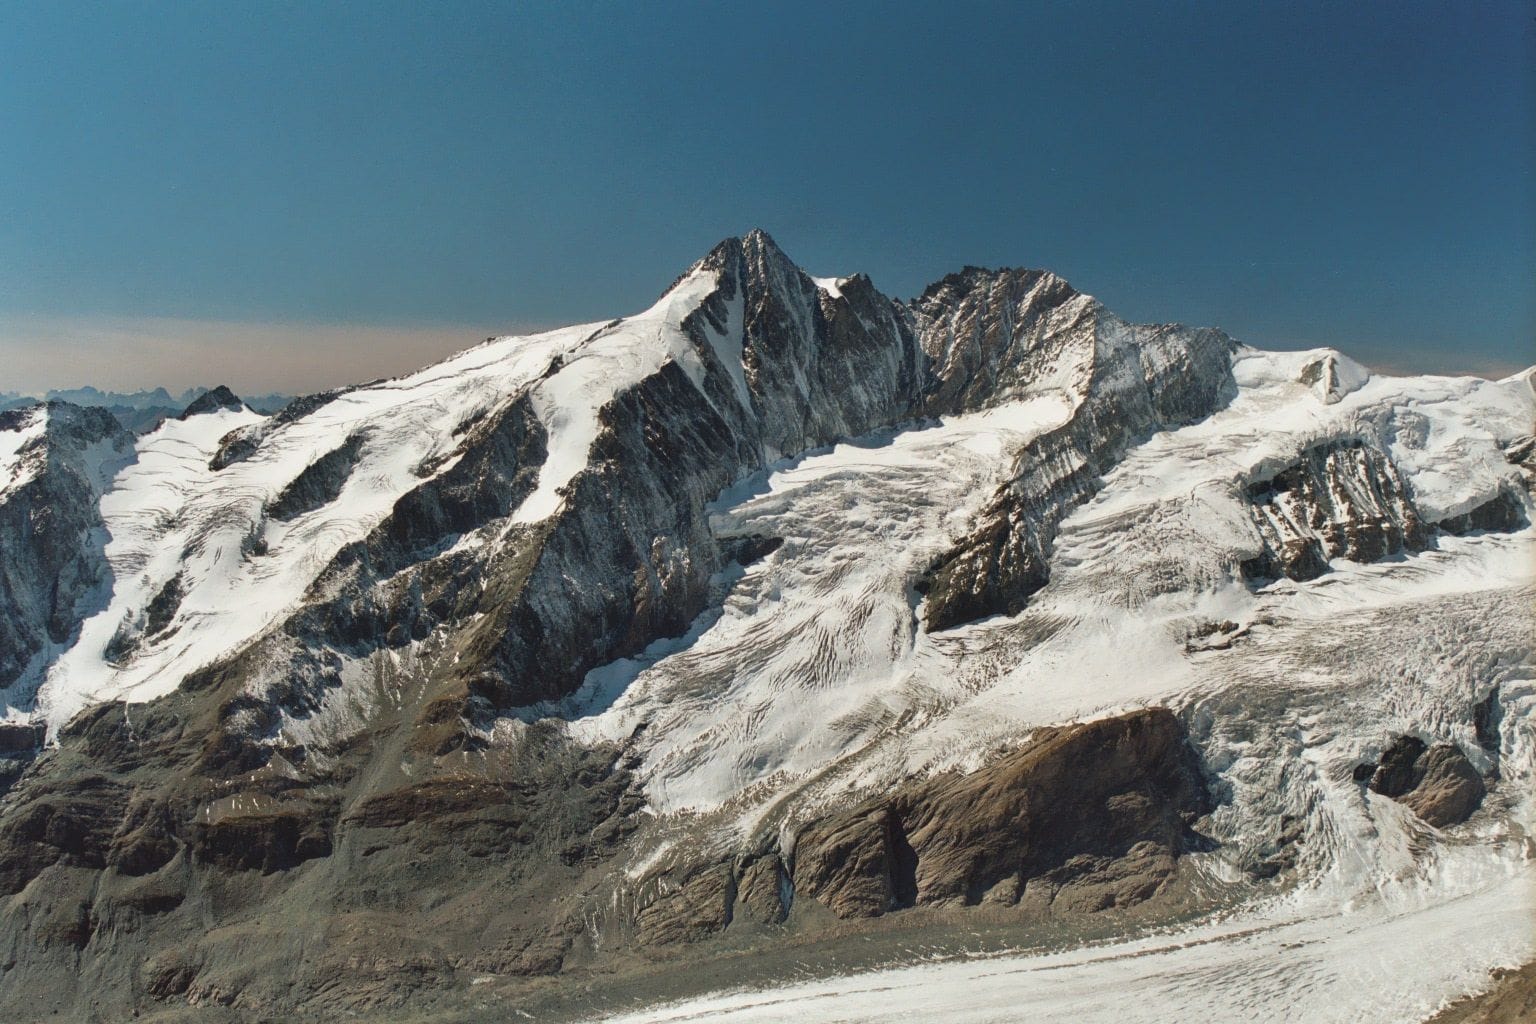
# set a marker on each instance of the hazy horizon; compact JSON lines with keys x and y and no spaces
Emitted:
{"x":292,"y":197}
{"x":127,"y":355}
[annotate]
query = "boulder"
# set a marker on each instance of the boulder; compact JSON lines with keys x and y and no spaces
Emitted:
{"x":1437,"y":782}
{"x":1450,"y":789}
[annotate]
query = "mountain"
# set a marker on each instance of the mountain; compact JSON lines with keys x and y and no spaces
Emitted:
{"x":138,"y":411}
{"x":158,"y":398}
{"x":564,"y":673}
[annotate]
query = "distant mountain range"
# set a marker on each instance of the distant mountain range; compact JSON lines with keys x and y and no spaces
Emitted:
{"x":137,"y":410}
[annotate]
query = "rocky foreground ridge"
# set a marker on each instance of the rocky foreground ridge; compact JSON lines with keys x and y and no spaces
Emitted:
{"x":301,"y":706}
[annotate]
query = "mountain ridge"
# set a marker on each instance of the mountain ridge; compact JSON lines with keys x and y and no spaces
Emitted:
{"x":706,"y":624}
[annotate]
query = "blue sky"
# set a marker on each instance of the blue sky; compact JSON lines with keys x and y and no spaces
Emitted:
{"x":294,"y":195}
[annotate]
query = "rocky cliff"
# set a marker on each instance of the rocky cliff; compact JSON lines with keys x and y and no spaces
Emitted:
{"x":59,"y":460}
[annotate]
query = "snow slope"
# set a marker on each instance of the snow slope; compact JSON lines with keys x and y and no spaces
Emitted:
{"x":172,"y":516}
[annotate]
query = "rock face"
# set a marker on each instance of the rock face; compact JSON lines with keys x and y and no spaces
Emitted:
{"x":1437,"y":782}
{"x":120,"y":840}
{"x":319,"y":484}
{"x":1502,"y":513}
{"x":990,"y":335}
{"x":51,"y":535}
{"x":1082,"y":818}
{"x":1521,"y":451}
{"x":1339,"y":500}
{"x":1133,"y":381}
{"x":694,"y":907}
{"x":1348,"y":499}
{"x":859,"y":864}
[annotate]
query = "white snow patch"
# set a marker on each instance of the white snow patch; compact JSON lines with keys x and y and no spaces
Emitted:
{"x":831,"y":285}
{"x":14,"y":470}
{"x":613,"y":358}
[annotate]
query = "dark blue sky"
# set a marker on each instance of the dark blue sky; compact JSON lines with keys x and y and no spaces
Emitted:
{"x":1355,"y":174}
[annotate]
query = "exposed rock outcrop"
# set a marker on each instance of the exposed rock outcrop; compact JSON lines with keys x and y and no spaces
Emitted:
{"x":1081,"y":818}
{"x":319,"y":484}
{"x":699,"y":904}
{"x":214,"y":400}
{"x":1521,"y":451}
{"x":991,"y":335}
{"x":1332,"y":376}
{"x":1436,"y":782}
{"x":859,"y":863}
{"x":52,"y":569}
{"x":1340,"y":499}
{"x":1126,"y":382}
{"x":1501,"y":513}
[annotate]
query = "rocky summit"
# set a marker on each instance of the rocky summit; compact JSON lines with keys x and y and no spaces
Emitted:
{"x":783,"y":629}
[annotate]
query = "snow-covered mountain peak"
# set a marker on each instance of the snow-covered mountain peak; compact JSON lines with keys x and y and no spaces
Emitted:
{"x":1333,"y":375}
{"x":230,"y":524}
{"x":777,"y":601}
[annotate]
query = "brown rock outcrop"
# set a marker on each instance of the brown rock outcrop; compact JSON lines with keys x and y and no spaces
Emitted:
{"x":1437,"y":783}
{"x":1087,"y":816}
{"x":688,"y":909}
{"x":1340,"y":499}
{"x":761,"y":891}
{"x":859,"y":863}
